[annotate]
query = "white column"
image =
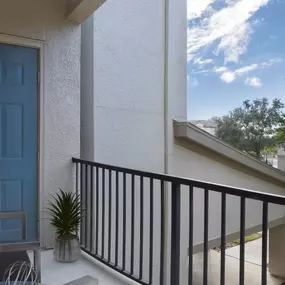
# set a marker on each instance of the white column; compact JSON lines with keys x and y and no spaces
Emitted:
{"x":87,"y":108}
{"x":277,"y":251}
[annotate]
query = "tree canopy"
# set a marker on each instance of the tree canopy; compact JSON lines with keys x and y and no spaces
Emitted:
{"x":252,"y":126}
{"x":280,"y":132}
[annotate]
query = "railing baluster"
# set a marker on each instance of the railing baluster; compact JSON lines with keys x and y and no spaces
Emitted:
{"x":242,"y":240}
{"x":162,"y":237}
{"x":110,"y":216}
{"x":76,"y":179}
{"x":141,"y":228}
{"x":151,"y":232}
{"x":91,"y":208}
{"x":175,"y":234}
{"x":206,"y":231}
{"x":86,"y":212}
{"x":124,"y":220}
{"x":77,"y":187}
{"x":190,"y":252}
{"x":81,"y":200}
{"x":264,"y":243}
{"x":97,"y":210}
{"x":103,"y":214}
{"x":92,"y":234}
{"x":223,"y":237}
{"x":132,"y":224}
{"x":117,"y":219}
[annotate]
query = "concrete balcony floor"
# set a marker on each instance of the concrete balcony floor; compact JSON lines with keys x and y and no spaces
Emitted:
{"x":252,"y":271}
{"x":253,"y":252}
{"x":55,"y":273}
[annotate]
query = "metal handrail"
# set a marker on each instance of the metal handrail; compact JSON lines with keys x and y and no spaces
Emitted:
{"x":103,"y":187}
{"x":235,"y":191}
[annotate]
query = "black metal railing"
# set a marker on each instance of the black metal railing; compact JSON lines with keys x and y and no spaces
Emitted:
{"x":124,"y":225}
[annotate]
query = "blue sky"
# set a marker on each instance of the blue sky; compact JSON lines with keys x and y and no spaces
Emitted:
{"x":236,"y":51}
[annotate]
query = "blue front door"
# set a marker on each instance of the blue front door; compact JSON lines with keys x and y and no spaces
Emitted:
{"x":18,"y":139}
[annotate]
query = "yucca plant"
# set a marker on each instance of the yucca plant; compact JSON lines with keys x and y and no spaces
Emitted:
{"x":66,"y":214}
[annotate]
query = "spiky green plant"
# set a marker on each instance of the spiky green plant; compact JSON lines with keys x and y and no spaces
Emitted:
{"x":66,"y":214}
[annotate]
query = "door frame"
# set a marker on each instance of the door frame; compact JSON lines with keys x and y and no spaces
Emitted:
{"x":39,"y":45}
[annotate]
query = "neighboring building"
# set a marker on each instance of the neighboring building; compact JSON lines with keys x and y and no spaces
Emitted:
{"x":206,"y":125}
{"x":281,"y":158}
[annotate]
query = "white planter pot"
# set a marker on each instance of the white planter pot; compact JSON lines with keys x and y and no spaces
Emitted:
{"x":67,"y":250}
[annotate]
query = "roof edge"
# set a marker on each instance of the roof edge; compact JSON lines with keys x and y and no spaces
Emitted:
{"x":191,"y":133}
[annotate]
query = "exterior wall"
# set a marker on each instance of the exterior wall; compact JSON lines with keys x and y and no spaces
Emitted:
{"x":134,"y":66}
{"x":44,"y":22}
{"x":281,"y":158}
{"x":128,"y":82}
{"x":281,"y":162}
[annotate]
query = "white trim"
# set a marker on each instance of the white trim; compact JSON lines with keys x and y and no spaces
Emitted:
{"x":20,"y":41}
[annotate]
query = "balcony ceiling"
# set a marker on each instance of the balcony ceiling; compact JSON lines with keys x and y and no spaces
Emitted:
{"x":79,"y":10}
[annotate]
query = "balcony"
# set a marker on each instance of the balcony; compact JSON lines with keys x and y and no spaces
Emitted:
{"x":144,"y":227}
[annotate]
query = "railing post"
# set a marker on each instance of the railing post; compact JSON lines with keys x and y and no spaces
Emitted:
{"x":175,"y":234}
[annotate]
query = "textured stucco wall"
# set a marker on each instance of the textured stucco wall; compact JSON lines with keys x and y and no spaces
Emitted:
{"x":128,"y":83}
{"x":44,"y":20}
{"x":123,"y":95}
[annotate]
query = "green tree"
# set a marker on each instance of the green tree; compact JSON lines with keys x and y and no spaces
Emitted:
{"x":251,"y":126}
{"x":270,"y":150}
{"x":280,"y":132}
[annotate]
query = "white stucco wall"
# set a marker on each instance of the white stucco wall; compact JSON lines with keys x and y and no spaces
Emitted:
{"x":134,"y":86}
{"x":128,"y":81}
{"x":44,"y":21}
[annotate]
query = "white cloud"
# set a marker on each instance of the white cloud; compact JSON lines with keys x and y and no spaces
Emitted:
{"x":196,"y":8}
{"x":230,"y":26}
{"x":229,"y":76}
{"x":220,"y":69}
{"x":253,"y":81}
{"x":192,"y":81}
{"x":247,"y":69}
{"x":234,"y":45}
{"x":203,"y":71}
{"x":271,"y":62}
{"x":201,"y":62}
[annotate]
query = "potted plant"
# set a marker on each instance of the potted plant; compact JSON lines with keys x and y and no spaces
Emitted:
{"x":66,"y":215}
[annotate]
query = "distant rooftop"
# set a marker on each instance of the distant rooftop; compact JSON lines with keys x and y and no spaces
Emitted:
{"x":193,"y":135}
{"x":203,"y":123}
